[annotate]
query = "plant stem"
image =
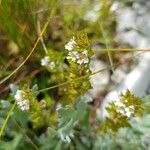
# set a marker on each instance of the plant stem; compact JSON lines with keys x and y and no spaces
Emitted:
{"x":122,"y":50}
{"x":7,"y":118}
{"x":82,"y":77}
{"x":33,"y":48}
{"x":107,"y":45}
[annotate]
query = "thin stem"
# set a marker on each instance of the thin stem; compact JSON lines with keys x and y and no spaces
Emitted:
{"x":41,"y":38}
{"x":122,"y":50}
{"x":27,"y":137}
{"x":7,"y":118}
{"x":32,"y":50}
{"x":79,"y":78}
{"x":82,"y":77}
{"x":107,"y":45}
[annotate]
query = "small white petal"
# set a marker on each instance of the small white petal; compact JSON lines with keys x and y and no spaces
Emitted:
{"x":73,"y":56}
{"x":70,"y":45}
{"x":23,"y":104}
{"x":69,"y":57}
{"x":121,"y":111}
{"x":18,"y":95}
{"x":127,"y":109}
{"x":128,"y":114}
{"x":85,"y":52}
{"x":45,"y":61}
{"x":52,"y":65}
{"x":119,"y":104}
{"x":80,"y":61}
{"x":86,"y":60}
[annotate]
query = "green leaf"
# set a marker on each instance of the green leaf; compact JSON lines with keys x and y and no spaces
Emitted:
{"x":21,"y":117}
{"x":12,"y":145}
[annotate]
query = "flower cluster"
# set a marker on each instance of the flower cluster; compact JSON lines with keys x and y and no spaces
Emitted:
{"x":75,"y":56}
{"x":47,"y":63}
{"x":21,"y":101}
{"x":79,"y":58}
{"x":123,"y":109}
{"x":71,"y":44}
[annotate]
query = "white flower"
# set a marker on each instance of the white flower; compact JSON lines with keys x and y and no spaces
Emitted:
{"x":127,"y":109}
{"x":52,"y":65}
{"x":23,"y":104}
{"x":73,"y":56}
{"x":124,"y":110}
{"x":85,"y":52}
{"x":83,"y":59}
{"x":121,"y":111}
{"x":80,"y":58}
{"x":45,"y":61}
{"x":70,"y":45}
{"x":18,"y":95}
{"x":128,"y":112}
{"x":119,"y":104}
{"x":21,"y":101}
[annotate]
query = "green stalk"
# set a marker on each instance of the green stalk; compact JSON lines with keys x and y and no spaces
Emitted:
{"x":7,"y":118}
{"x":107,"y":46}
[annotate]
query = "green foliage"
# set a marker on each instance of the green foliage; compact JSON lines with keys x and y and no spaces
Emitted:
{"x":75,"y":130}
{"x":134,"y":137}
{"x":71,"y":121}
{"x":51,"y":108}
{"x":62,"y":72}
{"x":38,"y":117}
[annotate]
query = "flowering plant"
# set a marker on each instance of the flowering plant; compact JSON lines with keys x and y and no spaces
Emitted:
{"x":62,"y":118}
{"x":48,"y":106}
